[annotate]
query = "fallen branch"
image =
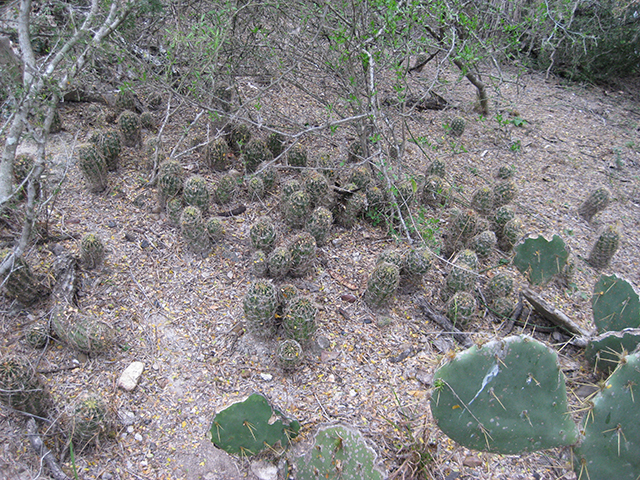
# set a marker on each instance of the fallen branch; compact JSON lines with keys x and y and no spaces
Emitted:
{"x":554,"y":315}
{"x":43,"y":452}
{"x":444,"y":322}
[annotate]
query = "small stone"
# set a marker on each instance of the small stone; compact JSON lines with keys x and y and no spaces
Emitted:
{"x":323,"y":342}
{"x":129,"y":429}
{"x":472,"y":462}
{"x":347,"y":297}
{"x":127,"y":418}
{"x":157,"y":209}
{"x":131,"y":375}
{"x":264,"y":470}
{"x":111,"y":224}
{"x":267,"y":377}
{"x":138,"y":437}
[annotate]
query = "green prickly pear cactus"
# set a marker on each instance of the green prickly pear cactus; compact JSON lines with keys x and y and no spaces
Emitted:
{"x":611,"y":444}
{"x":249,"y":427}
{"x":339,"y":452}
{"x":540,"y":259}
{"x":507,"y":396}
{"x":615,"y":304}
{"x":605,"y":351}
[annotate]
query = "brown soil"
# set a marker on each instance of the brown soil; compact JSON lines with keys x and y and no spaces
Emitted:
{"x":181,"y":314}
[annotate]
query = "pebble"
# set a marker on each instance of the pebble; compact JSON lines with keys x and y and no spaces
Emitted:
{"x":323,"y":342}
{"x":129,"y":429}
{"x":267,"y":377}
{"x":138,"y":437}
{"x":112,"y":224}
{"x":472,"y":462}
{"x":130,"y":377}
{"x":384,"y":321}
{"x":127,"y":418}
{"x":264,"y":470}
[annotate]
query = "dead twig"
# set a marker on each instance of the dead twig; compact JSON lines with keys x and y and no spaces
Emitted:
{"x":444,"y":322}
{"x":43,"y":452}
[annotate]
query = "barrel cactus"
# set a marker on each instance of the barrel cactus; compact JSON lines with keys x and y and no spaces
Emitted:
{"x":91,"y":251}
{"x":196,"y":192}
{"x":125,"y":100}
{"x":462,"y":276}
{"x":89,"y":420}
{"x":434,"y":192}
{"x":382,"y":284}
{"x":501,"y":216}
{"x":263,"y":234}
{"x":299,"y":317}
{"x":215,"y":229}
{"x":108,"y":144}
{"x":512,"y":232}
{"x":37,"y":335}
{"x":225,"y":189}
{"x":289,"y":354}
{"x":93,"y":167}
{"x":239,"y":136}
{"x":297,"y":209}
{"x":153,"y":153}
{"x":174,"y":210}
{"x":129,"y":125}
{"x":275,"y":143}
{"x":20,"y":282}
{"x":279,"y":262}
{"x":217,"y":155}
{"x":259,"y":305}
{"x":320,"y":225}
{"x":605,"y":247}
{"x":461,"y":308}
{"x":270,"y":178}
{"x":170,"y":179}
{"x":259,"y":265}
{"x":482,"y":200}
{"x":316,"y":186}
{"x":254,"y":153}
{"x":504,"y":193}
{"x":457,"y":126}
{"x":416,"y":261}
{"x":597,"y":201}
{"x":303,"y":254}
{"x":297,"y":156}
{"x":352,"y":209}
{"x":391,"y":255}
{"x":255,"y":187}
{"x":360,"y":175}
{"x":500,"y":285}
{"x":147,"y":121}
{"x":21,"y":387}
{"x":484,"y":243}
{"x":193,"y":229}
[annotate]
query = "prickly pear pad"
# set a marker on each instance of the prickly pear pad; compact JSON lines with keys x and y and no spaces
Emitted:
{"x":249,"y":427}
{"x":507,"y":396}
{"x":615,"y":304}
{"x":540,"y":259}
{"x":611,"y":447}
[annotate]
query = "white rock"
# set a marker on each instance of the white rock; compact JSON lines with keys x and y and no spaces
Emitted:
{"x":267,"y":377}
{"x":264,"y":470}
{"x":131,"y":375}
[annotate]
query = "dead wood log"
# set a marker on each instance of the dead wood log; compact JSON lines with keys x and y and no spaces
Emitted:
{"x":444,"y":322}
{"x":43,"y":452}
{"x":554,"y":315}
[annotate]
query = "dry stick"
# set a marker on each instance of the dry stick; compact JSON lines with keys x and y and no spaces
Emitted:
{"x":554,"y":315}
{"x":444,"y":322}
{"x":43,"y":452}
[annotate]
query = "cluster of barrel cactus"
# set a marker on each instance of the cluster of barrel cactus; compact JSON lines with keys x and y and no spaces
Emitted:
{"x":22,"y":388}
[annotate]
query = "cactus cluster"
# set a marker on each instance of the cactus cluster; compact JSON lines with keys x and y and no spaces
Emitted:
{"x":597,"y":201}
{"x":196,"y":193}
{"x":84,"y":333}
{"x":462,"y":276}
{"x":22,"y":388}
{"x":605,"y":247}
{"x":299,"y":318}
{"x":289,"y":354}
{"x":249,"y":427}
{"x":255,"y":187}
{"x":482,"y":200}
{"x":297,"y":208}
{"x":91,"y":251}
{"x":93,"y":167}
{"x":279,"y":262}
{"x":259,"y":304}
{"x":129,"y":126}
{"x":20,"y":282}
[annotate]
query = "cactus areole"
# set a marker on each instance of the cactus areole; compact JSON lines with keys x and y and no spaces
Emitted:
{"x":506,"y":397}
